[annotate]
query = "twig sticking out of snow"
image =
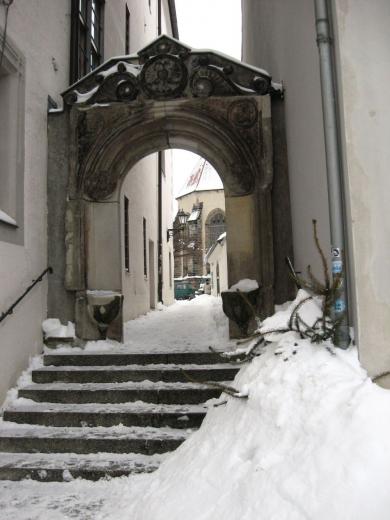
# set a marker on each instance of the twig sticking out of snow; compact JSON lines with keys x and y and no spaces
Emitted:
{"x":242,"y":355}
{"x":325,"y":327}
{"x":229,"y":390}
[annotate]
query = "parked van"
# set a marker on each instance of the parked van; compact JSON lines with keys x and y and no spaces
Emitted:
{"x":184,"y":290}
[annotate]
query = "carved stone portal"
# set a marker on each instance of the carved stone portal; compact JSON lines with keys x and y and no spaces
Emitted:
{"x":168,"y":96}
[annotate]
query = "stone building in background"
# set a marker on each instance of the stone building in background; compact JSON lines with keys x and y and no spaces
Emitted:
{"x":202,"y":200}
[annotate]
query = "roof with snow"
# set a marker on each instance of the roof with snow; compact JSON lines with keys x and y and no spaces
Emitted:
{"x":195,"y":214}
{"x":220,"y":240}
{"x":202,"y":178}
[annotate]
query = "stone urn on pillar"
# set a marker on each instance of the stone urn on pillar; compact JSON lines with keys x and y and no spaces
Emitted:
{"x":239,"y":304}
{"x":104,"y":307}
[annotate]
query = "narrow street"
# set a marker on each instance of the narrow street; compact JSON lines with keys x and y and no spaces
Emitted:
{"x":187,"y":325}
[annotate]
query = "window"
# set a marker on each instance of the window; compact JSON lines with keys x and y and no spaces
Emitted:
{"x":127,"y":33}
{"x":193,"y":229}
{"x":161,"y":162}
{"x":170,"y":269}
{"x":12,"y":93}
{"x":215,"y":226}
{"x":144,"y":243}
{"x":126,"y":233}
{"x":86,"y":37}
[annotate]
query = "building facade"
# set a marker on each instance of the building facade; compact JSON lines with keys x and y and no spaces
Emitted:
{"x":216,"y":258}
{"x":202,"y":200}
{"x":281,"y":36}
{"x":48,"y":45}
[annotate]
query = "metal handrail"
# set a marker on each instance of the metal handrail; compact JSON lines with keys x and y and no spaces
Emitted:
{"x":39,"y":279}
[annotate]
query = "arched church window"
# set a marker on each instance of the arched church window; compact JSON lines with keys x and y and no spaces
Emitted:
{"x":215,"y":226}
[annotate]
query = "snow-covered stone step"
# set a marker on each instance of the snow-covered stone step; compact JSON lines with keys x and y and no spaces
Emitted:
{"x":120,"y":358}
{"x":146,"y":391}
{"x":111,"y":374}
{"x":61,"y":467}
{"x":128,"y":414}
{"x":17,"y":438}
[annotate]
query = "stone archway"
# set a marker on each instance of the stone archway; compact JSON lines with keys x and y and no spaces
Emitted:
{"x":169,"y":96}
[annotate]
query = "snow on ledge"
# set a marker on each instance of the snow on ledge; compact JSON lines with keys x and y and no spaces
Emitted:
{"x":53,"y":328}
{"x":7,"y":219}
{"x":245,"y":285}
{"x":103,"y":294}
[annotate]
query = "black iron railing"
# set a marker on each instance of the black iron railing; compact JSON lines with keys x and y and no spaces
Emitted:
{"x":37,"y":280}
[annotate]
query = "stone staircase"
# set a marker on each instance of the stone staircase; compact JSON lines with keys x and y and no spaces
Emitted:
{"x":95,"y":415}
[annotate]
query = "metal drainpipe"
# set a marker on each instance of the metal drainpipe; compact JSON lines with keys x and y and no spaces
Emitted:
{"x":333,"y":166}
{"x":159,"y":197}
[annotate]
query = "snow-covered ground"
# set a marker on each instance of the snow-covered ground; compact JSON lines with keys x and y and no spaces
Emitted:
{"x":187,"y":325}
{"x":311,"y":442}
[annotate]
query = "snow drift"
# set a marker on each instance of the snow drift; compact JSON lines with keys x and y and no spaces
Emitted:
{"x":312,"y":441}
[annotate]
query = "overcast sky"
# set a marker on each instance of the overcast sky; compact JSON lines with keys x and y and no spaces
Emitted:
{"x":206,"y":24}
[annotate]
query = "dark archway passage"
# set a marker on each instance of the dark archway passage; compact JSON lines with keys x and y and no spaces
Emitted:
{"x":125,"y":111}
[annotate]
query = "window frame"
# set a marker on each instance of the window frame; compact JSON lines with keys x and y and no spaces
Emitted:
{"x":126,"y":231}
{"x":12,"y":218}
{"x":144,"y":237}
{"x":86,"y":55}
{"x":214,"y":230}
{"x":127,"y":29}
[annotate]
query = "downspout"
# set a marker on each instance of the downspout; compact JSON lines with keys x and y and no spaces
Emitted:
{"x":333,"y":167}
{"x":159,"y":18}
{"x":159,"y":225}
{"x":159,"y":200}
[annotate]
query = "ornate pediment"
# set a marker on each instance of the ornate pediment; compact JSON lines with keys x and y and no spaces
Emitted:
{"x":168,"y":69}
{"x":164,"y":45}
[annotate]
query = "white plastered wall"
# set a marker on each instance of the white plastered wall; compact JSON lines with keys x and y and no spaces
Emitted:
{"x":40,"y":30}
{"x":219,"y":257}
{"x":166,"y":219}
{"x":140,"y":187}
{"x":45,"y":47}
{"x":279,"y":36}
{"x":363,"y":59}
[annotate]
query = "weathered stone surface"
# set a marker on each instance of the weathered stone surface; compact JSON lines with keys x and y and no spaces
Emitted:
{"x":167,"y":69}
{"x":60,"y":301}
{"x":170,"y":96}
{"x":74,"y":245}
{"x":284,"y":288}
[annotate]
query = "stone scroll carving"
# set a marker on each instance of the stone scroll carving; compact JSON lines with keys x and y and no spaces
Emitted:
{"x":167,"y":69}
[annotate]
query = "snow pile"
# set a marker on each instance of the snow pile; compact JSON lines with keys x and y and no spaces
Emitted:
{"x":187,"y":325}
{"x":245,"y":285}
{"x":52,"y":328}
{"x":312,"y":441}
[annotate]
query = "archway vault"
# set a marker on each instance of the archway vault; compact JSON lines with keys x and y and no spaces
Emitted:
{"x":166,"y":96}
